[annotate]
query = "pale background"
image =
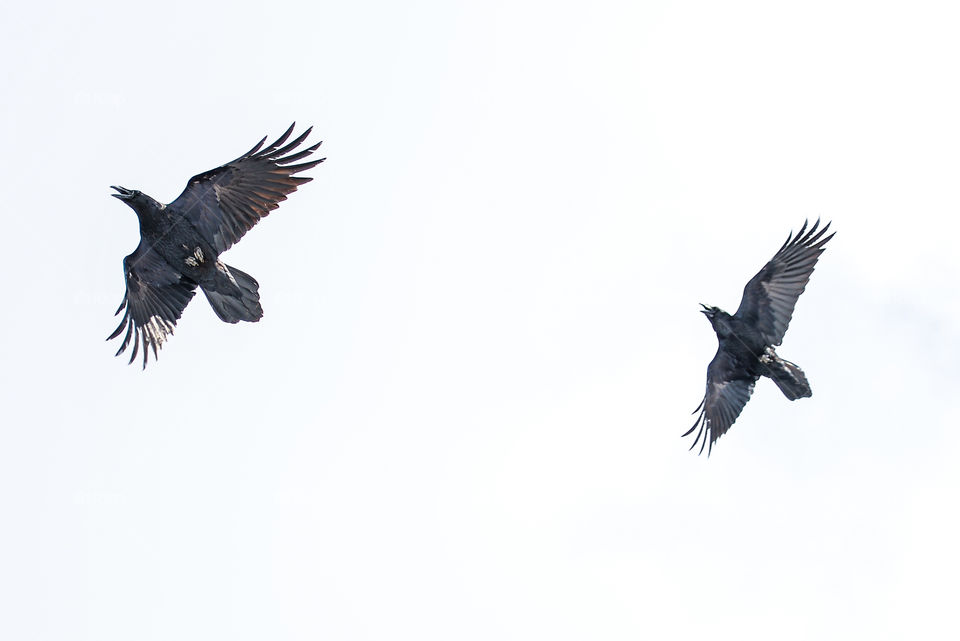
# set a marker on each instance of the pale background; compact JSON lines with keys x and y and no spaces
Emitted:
{"x":460,"y":417}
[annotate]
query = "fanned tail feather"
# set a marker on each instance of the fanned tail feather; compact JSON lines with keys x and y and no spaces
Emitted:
{"x":789,"y":378}
{"x":233,"y":295}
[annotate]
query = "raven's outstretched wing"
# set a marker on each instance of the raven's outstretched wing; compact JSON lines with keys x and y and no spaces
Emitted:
{"x":770,"y":296}
{"x":224,"y":203}
{"x":728,"y":390}
{"x":156,"y":296}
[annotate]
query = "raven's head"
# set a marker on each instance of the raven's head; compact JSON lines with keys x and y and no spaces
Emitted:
{"x":137,"y":200}
{"x":716,"y":316}
{"x":709,"y":312}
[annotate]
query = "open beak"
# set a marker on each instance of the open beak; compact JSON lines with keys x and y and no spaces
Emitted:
{"x":707,"y":311}
{"x":125,"y":194}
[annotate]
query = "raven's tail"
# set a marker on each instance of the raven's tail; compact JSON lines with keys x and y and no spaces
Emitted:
{"x":788,"y":377}
{"x":233,"y":295}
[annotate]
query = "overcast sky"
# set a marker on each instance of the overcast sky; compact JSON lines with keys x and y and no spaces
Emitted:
{"x":460,"y":416}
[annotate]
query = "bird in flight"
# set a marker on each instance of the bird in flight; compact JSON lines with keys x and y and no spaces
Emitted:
{"x":748,"y":337}
{"x":181,"y":242}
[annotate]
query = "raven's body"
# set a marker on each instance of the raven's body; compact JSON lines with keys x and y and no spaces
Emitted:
{"x":747,"y":338}
{"x":749,"y":356}
{"x":173,"y":238}
{"x":180,"y":243}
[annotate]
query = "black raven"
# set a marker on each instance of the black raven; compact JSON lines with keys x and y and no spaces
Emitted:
{"x":180,"y":243}
{"x":748,"y":337}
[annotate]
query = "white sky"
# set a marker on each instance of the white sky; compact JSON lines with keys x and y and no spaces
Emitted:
{"x":460,"y":417}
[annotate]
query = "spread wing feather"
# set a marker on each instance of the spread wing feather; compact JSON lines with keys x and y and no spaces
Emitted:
{"x":728,"y":390}
{"x":770,"y":296}
{"x":224,"y":203}
{"x":155,"y":298}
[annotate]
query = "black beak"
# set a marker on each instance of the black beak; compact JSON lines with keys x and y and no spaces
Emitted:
{"x":125,"y":194}
{"x":706,"y":311}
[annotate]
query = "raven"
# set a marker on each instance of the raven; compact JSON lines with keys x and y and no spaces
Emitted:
{"x":748,"y":337}
{"x":180,"y":243}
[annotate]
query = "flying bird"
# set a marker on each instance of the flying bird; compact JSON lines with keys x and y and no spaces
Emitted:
{"x":748,"y":337}
{"x":181,"y":242}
